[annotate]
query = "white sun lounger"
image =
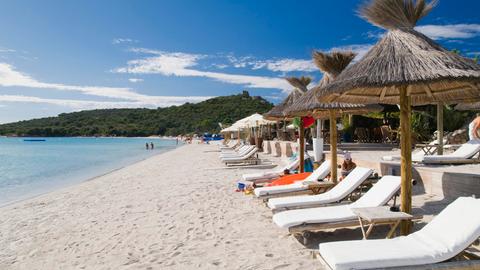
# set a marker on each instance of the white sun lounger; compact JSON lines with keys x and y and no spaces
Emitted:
{"x":241,"y":151}
{"x":313,"y":219}
{"x":336,"y":194}
{"x":446,"y":236}
{"x":262,"y":177}
{"x":464,"y":154}
{"x":301,"y":185}
{"x":229,"y":145}
{"x":248,"y":158}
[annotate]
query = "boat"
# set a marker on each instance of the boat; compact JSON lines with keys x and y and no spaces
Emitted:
{"x":34,"y":140}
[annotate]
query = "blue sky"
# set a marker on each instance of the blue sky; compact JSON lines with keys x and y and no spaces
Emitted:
{"x":63,"y":56}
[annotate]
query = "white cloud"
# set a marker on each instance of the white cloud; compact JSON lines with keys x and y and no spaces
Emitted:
{"x":6,"y":50}
{"x":276,"y":65}
{"x":448,"y":31}
{"x":359,"y":49}
{"x":9,"y":77}
{"x":90,"y":105}
{"x":183,"y":65}
{"x":123,"y":40}
{"x":135,"y":80}
{"x":287,"y":65}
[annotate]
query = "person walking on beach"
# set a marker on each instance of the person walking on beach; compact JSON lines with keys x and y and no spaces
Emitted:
{"x":474,"y":128}
{"x":146,"y":145}
{"x":151,"y":145}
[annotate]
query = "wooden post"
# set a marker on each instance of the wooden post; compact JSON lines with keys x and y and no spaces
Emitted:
{"x":333,"y":146}
{"x":301,"y":150}
{"x":440,"y":128}
{"x":406,"y":158}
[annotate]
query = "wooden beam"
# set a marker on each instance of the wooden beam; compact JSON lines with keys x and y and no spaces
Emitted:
{"x":406,"y":158}
{"x":333,"y":146}
{"x":429,"y":92}
{"x":382,"y":94}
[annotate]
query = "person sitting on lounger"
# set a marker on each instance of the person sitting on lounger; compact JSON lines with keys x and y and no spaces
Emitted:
{"x":347,"y":166}
{"x":474,"y":128}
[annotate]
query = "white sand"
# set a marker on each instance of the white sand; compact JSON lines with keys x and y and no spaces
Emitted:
{"x":167,"y":212}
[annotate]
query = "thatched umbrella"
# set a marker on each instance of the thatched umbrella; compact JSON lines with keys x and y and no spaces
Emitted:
{"x":468,"y":106}
{"x":331,"y":64}
{"x":405,"y":67}
{"x":279,"y":112}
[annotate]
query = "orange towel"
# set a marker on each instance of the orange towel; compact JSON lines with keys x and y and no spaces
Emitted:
{"x":289,"y":179}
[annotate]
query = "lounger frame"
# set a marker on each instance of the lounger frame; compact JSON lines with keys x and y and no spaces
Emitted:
{"x":305,"y":229}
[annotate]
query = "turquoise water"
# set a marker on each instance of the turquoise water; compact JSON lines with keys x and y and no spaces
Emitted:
{"x":30,"y":168}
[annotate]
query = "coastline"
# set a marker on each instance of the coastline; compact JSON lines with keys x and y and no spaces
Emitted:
{"x":74,"y":183}
{"x":165,"y":212}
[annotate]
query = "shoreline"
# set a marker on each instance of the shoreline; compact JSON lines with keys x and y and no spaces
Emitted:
{"x":165,"y":212}
{"x":81,"y":181}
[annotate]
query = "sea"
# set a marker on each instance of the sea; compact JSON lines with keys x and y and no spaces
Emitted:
{"x":33,"y":166}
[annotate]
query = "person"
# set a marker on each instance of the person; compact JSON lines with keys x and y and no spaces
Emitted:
{"x":151,"y":145}
{"x":177,"y":140}
{"x":146,"y":145}
{"x":347,"y":166}
{"x":474,"y":128}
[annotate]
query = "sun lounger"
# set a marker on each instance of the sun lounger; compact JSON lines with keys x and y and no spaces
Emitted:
{"x":263,"y":177}
{"x":229,"y":145}
{"x":446,"y":236}
{"x":244,"y":150}
{"x":336,"y":194}
{"x":315,"y":219}
{"x":462,"y":155}
{"x":247,"y":159}
{"x":418,"y":154}
{"x":302,"y":185}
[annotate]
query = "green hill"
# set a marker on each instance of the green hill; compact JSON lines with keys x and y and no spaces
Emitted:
{"x":175,"y":120}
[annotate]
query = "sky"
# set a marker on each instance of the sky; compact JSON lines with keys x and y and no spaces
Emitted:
{"x":63,"y":56}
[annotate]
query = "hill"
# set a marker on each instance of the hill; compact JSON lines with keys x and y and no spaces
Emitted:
{"x":170,"y":121}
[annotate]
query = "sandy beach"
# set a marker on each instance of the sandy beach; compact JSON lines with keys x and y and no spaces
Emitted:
{"x":167,"y":212}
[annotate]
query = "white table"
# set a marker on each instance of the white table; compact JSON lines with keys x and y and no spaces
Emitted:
{"x":379,"y":216}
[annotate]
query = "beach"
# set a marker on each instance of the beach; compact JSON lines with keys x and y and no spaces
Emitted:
{"x":176,"y":210}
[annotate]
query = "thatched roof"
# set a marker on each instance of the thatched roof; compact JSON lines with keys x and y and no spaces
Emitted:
{"x":300,"y":87}
{"x":331,"y":64}
{"x":468,"y":106}
{"x":405,"y":59}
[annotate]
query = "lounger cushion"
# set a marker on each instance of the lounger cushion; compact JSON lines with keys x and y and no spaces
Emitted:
{"x":339,"y":192}
{"x":292,"y":218}
{"x":261,"y":175}
{"x":453,"y":230}
{"x":378,"y":195}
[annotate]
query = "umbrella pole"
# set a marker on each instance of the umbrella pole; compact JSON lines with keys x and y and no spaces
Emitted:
{"x":333,"y":146}
{"x":406,"y":159}
{"x":440,"y":128}
{"x":301,"y":131}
